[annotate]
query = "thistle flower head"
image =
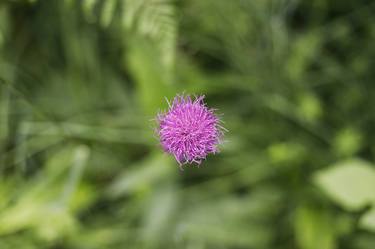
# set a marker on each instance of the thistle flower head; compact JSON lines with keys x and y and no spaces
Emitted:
{"x":189,"y":129}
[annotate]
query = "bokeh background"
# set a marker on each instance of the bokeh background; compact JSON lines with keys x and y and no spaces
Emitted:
{"x":80,"y":85}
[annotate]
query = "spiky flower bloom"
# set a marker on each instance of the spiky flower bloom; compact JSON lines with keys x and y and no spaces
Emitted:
{"x":189,"y":129}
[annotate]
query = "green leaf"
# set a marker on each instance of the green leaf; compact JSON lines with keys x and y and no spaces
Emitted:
{"x":150,"y":28}
{"x":143,"y":61}
{"x":347,"y":142}
{"x":313,"y":229}
{"x":367,"y":221}
{"x":47,"y":211}
{"x":154,"y":19}
{"x":350,"y":183}
{"x":108,"y":10}
{"x":304,"y":51}
{"x":142,"y":176}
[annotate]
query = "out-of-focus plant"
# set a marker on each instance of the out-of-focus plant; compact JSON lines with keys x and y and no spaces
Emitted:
{"x":80,"y":166}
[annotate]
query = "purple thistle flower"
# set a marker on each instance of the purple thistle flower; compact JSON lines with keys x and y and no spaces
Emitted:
{"x":189,"y":130}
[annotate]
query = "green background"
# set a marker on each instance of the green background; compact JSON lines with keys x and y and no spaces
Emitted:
{"x":82,"y":81}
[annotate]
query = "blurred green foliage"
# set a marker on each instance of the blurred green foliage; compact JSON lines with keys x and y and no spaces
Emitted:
{"x":80,"y":84}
